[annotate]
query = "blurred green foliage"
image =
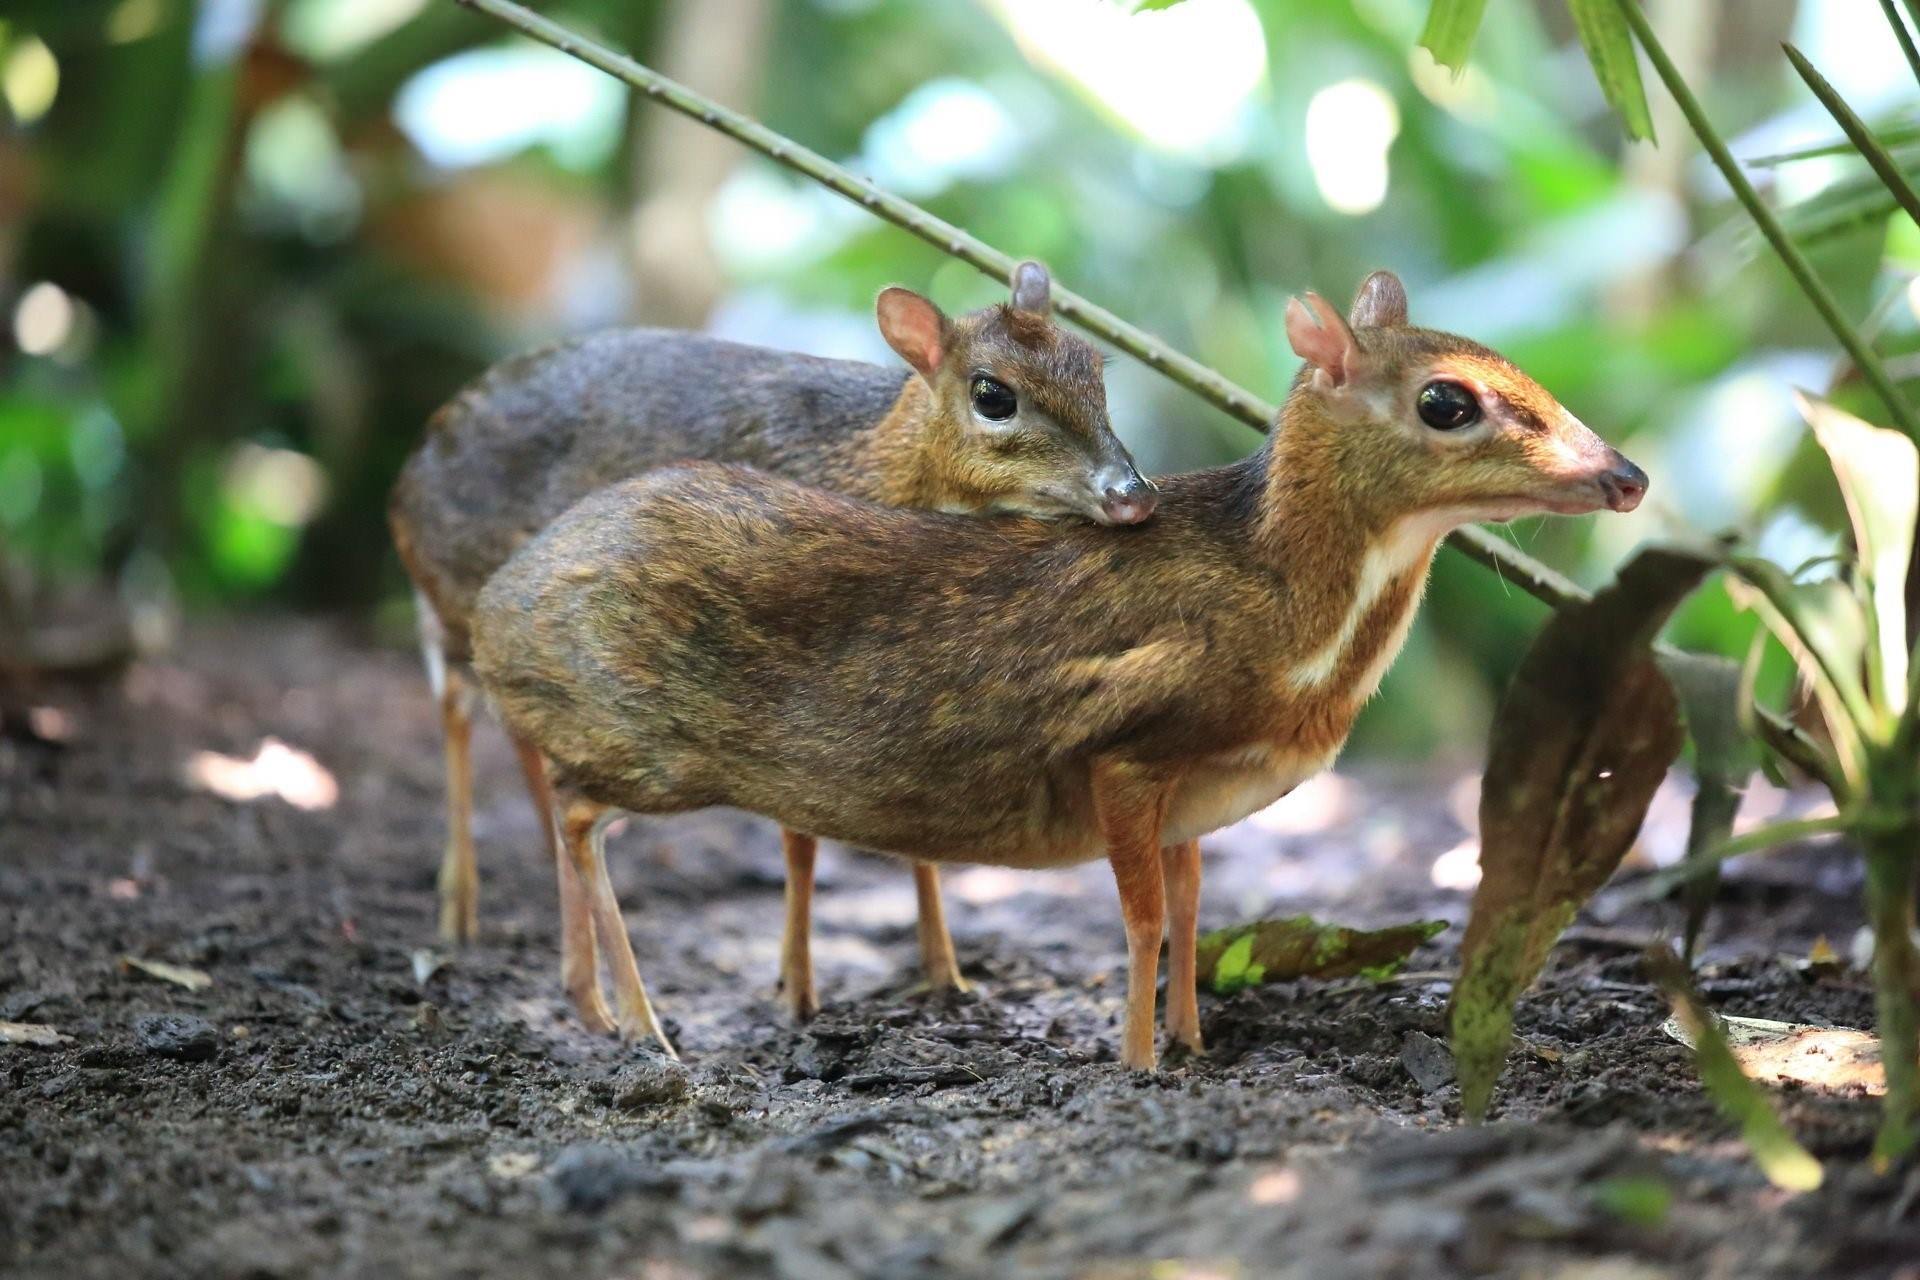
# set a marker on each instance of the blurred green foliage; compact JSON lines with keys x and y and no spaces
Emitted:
{"x":270,"y":286}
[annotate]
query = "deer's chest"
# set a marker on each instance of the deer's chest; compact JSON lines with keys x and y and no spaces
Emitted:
{"x":1220,"y":790}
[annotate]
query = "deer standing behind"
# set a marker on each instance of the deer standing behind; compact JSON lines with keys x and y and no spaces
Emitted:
{"x":1002,"y":412}
{"x":1015,"y":693}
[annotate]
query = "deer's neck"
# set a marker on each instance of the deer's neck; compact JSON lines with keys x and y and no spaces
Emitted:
{"x":1352,"y":563}
{"x":901,"y":456}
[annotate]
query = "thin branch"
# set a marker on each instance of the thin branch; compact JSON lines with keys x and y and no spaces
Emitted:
{"x":1479,"y":544}
{"x":1183,"y":369}
{"x":1810,"y":284}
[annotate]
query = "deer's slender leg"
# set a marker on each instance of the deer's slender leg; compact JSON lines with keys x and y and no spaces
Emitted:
{"x":1131,"y":806}
{"x":937,"y":961}
{"x":1180,"y":872}
{"x":579,"y":957}
{"x":796,"y":949}
{"x":459,"y":875}
{"x":583,"y":826}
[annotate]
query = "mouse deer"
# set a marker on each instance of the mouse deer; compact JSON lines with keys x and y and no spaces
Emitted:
{"x":1000,"y":410}
{"x":1016,"y":693}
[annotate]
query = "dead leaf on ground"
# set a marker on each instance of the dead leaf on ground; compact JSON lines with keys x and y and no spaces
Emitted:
{"x":1584,"y":736}
{"x":1799,"y":1053}
{"x":33,"y":1033}
{"x":1302,"y":947}
{"x":178,"y":974}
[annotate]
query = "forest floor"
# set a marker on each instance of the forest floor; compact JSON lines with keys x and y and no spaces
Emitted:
{"x":344,"y":1100}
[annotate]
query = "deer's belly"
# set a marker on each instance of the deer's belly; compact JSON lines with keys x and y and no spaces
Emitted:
{"x":1221,"y":791}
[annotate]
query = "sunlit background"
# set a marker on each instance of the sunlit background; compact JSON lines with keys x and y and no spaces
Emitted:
{"x":247,"y":246}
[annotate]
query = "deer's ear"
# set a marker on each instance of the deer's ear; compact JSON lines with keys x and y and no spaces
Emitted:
{"x":1032,"y":289}
{"x":1380,"y":303}
{"x":913,"y":327}
{"x":1320,"y":337}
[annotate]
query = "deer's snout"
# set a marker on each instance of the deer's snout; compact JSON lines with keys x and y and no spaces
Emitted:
{"x":1623,"y":484}
{"x":1129,"y":498}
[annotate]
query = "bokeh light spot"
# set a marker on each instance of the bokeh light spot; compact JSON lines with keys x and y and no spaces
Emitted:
{"x":43,"y":319}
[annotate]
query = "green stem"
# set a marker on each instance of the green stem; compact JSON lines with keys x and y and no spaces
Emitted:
{"x":1771,"y":836}
{"x":1797,"y":266}
{"x":1857,"y":133}
{"x":1892,"y":859}
{"x":1901,"y":34}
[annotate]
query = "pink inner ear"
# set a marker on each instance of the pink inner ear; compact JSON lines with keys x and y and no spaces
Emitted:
{"x":1320,"y":337}
{"x":912,"y":326}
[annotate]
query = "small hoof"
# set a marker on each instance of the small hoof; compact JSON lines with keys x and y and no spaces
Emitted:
{"x":595,"y":1017}
{"x":634,"y":1027}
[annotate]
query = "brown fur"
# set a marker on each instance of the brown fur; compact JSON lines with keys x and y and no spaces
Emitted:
{"x":1003,"y":690}
{"x":540,"y":432}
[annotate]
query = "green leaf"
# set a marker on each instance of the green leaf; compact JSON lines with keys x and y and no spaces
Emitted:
{"x":1583,"y":738}
{"x":1784,"y":1161}
{"x":1609,"y":43}
{"x":1451,"y":26}
{"x":1150,"y":6}
{"x":1879,"y":474}
{"x":1640,"y":1201}
{"x":1302,"y":947}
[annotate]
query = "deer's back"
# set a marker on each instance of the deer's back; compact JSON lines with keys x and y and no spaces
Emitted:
{"x":538,"y":432}
{"x":903,"y":680}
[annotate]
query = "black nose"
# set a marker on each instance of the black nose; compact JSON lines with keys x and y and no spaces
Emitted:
{"x":1130,"y":501}
{"x":1624,"y":485}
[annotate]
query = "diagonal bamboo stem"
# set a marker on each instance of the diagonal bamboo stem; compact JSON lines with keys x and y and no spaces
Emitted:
{"x":1796,"y":263}
{"x":1183,"y":369}
{"x":1857,"y":133}
{"x":1901,"y":34}
{"x":1480,"y":545}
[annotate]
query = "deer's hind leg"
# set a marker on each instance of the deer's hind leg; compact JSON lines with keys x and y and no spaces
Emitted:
{"x":1132,"y":806}
{"x":459,"y":883}
{"x":583,"y":827}
{"x":937,"y":960}
{"x":579,"y":957}
{"x":796,"y":940}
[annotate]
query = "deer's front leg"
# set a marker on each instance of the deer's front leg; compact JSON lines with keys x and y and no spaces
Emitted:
{"x":1180,"y":867}
{"x":1131,"y":806}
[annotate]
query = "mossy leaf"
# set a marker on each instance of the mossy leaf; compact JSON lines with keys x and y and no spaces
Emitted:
{"x":1302,"y":947}
{"x":1584,"y":735}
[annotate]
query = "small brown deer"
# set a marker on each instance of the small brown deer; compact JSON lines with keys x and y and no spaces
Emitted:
{"x":1002,"y":411}
{"x":1007,"y":692}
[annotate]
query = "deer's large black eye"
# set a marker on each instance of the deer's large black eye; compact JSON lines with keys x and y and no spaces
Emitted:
{"x":992,"y":399}
{"x":1447,"y":406}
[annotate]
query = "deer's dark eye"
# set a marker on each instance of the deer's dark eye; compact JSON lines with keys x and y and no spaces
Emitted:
{"x":992,"y":399}
{"x":1447,"y":406}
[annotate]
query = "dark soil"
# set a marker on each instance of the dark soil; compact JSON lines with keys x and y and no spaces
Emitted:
{"x":342,"y":1101}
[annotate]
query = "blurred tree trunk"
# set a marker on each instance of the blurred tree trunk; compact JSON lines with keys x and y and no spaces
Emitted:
{"x":719,"y":48}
